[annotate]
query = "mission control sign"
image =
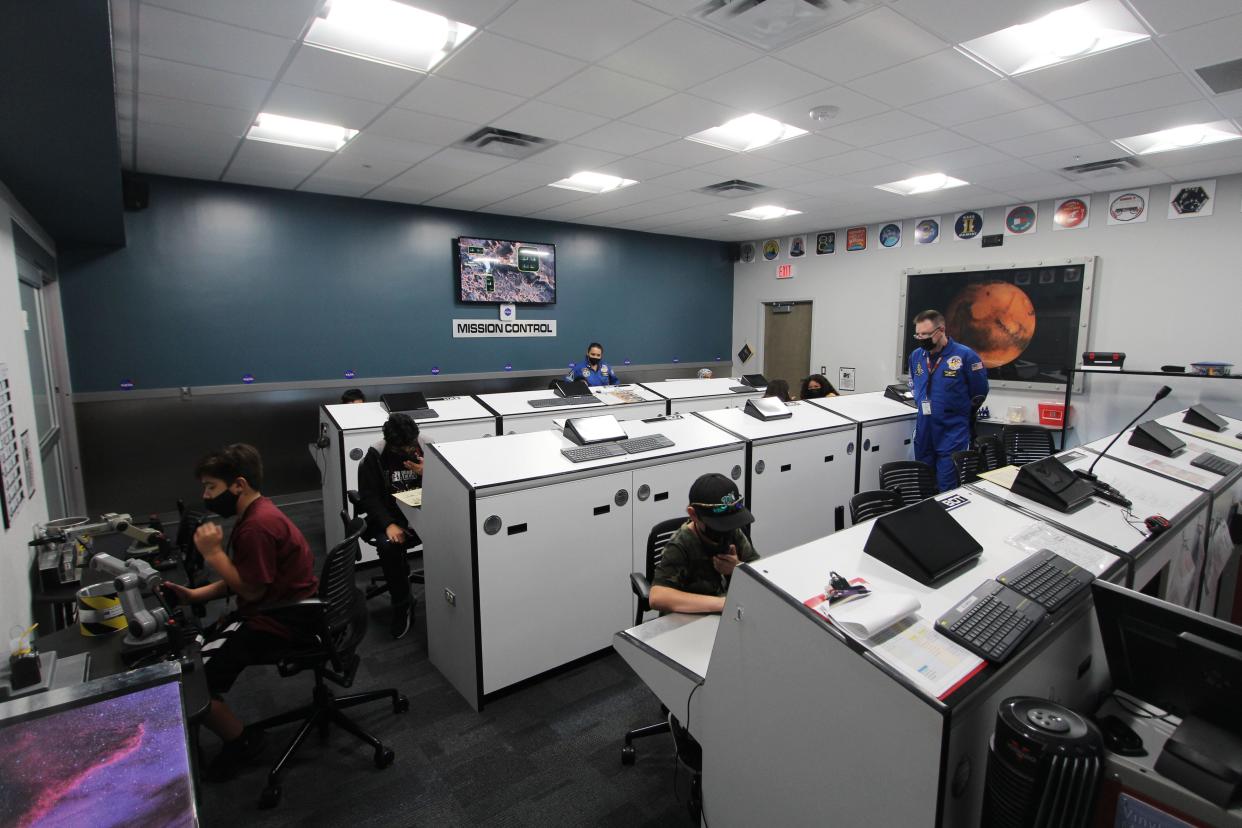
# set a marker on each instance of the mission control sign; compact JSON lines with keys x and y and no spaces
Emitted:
{"x":464,"y":328}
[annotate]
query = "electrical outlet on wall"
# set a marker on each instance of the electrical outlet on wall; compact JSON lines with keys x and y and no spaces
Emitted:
{"x":823,"y":369}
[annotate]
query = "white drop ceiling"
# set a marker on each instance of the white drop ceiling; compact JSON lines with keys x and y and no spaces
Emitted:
{"x":619,"y":83}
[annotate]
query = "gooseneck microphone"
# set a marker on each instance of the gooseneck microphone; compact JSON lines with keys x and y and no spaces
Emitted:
{"x":1089,"y":473}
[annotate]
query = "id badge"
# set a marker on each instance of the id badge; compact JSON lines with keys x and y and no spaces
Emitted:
{"x":926,"y":408}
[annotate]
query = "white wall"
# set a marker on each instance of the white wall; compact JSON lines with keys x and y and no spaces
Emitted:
{"x":15,"y":556}
{"x":1167,"y":291}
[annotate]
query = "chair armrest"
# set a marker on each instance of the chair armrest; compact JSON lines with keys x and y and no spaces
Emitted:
{"x":642,"y":588}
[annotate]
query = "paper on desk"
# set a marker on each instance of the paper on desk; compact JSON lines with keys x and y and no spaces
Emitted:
{"x":617,"y":396}
{"x":1038,"y":536}
{"x":867,"y":616}
{"x":1203,"y":481}
{"x":934,"y":663}
{"x":1004,"y":476}
{"x":1223,"y":438}
{"x":411,"y":497}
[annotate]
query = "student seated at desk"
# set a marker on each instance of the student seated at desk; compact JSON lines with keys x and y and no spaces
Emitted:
{"x":697,"y":564}
{"x":394,"y":464}
{"x":353,"y":395}
{"x":705,"y":373}
{"x":267,"y":562}
{"x":816,"y":387}
{"x":778,"y":388}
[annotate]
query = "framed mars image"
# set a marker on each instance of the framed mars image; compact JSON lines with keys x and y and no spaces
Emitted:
{"x":1027,"y":322}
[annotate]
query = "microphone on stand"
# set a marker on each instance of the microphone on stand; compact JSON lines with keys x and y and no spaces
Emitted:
{"x":1101,"y":488}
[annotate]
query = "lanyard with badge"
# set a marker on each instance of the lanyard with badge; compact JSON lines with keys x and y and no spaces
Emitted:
{"x":931,"y":370}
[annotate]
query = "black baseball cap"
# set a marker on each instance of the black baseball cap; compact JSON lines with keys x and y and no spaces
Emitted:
{"x":717,"y":502}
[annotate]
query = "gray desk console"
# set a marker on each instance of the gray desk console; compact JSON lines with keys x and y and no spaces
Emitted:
{"x":885,"y":432}
{"x":516,"y":415}
{"x":685,"y":395}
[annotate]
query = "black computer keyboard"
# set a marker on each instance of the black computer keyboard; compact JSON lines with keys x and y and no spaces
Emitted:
{"x":1047,"y":579}
{"x":1215,"y":464}
{"x":556,"y":402}
{"x":596,"y":451}
{"x":992,"y":621}
{"x":742,"y":389}
{"x":651,"y":442}
{"x":422,"y":413}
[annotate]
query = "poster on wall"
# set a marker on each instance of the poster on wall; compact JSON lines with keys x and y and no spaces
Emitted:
{"x":855,"y":239}
{"x":748,"y":252}
{"x":889,"y":235}
{"x":1071,"y":213}
{"x":1021,"y":219}
{"x":28,"y":464}
{"x":11,"y":495}
{"x":967,"y":225}
{"x":927,"y":230}
{"x":825,"y":243}
{"x":771,"y":249}
{"x":1192,"y":199}
{"x":1129,"y":206}
{"x":797,"y":247}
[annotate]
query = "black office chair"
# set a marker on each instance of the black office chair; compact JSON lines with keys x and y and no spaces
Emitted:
{"x":991,"y":453}
{"x":916,"y":481}
{"x":871,"y":504}
{"x":1026,"y":444}
{"x":967,"y":462}
{"x":338,"y":618}
{"x":379,"y":583}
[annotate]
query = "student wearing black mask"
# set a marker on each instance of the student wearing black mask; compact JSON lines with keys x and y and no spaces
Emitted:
{"x":816,"y":387}
{"x":593,"y":369}
{"x":697,"y":564}
{"x":394,"y":464}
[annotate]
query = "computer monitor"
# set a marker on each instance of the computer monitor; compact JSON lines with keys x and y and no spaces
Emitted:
{"x":571,"y":388}
{"x":114,"y":746}
{"x":587,"y":430}
{"x":755,"y":380}
{"x":407,"y":401}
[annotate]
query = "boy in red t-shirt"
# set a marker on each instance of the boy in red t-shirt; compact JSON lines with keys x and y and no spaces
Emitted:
{"x":268,"y":562}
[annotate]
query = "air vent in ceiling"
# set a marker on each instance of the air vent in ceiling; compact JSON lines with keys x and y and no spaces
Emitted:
{"x":1099,"y":169}
{"x":770,"y":24}
{"x":1222,"y":77}
{"x":504,"y":143}
{"x":734,"y":188}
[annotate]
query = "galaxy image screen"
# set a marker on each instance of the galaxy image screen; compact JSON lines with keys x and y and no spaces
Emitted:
{"x":122,"y":761}
{"x":491,"y":270}
{"x":1023,"y":322}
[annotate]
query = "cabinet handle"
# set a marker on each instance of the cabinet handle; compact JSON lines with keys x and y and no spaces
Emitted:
{"x":787,"y":467}
{"x":875,"y":447}
{"x":660,"y":496}
{"x":517,"y":529}
{"x":603,"y":510}
{"x":839,"y":518}
{"x":907,"y":441}
{"x":828,"y":458}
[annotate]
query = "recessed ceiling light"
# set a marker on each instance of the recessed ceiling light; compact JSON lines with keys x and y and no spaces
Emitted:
{"x":766,"y":213}
{"x":922,"y":184}
{"x":747,"y":133}
{"x":1183,"y":137}
{"x":388,"y":32}
{"x":294,"y":132}
{"x":1063,"y":35}
{"x":590,"y":182}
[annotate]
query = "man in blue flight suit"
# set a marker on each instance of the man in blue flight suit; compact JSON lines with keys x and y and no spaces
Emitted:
{"x":593,"y":369}
{"x":950,"y":383}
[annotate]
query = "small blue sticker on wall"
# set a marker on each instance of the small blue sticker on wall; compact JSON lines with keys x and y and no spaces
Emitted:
{"x":435,"y":370}
{"x":248,"y":378}
{"x":676,"y":359}
{"x":350,"y":374}
{"x":508,"y":366}
{"x":625,"y":362}
{"x":127,"y":385}
{"x":718,"y":359}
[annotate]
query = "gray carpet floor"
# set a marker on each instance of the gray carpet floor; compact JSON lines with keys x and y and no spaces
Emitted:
{"x":546,"y":754}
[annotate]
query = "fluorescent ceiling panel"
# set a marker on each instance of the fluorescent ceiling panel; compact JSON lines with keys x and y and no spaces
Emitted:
{"x":591,"y":182}
{"x":920,"y":184}
{"x":747,"y":133}
{"x":388,"y":32}
{"x":1183,"y":137}
{"x":766,"y":213}
{"x":294,"y":132}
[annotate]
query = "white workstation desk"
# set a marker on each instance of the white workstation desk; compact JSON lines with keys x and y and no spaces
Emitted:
{"x":1228,"y":438}
{"x":352,"y":428}
{"x":799,"y":473}
{"x":527,"y":555}
{"x":684,"y":395}
{"x":812,"y":713}
{"x":1108,"y":525}
{"x":885,"y":432}
{"x":516,"y":415}
{"x":1223,"y":493}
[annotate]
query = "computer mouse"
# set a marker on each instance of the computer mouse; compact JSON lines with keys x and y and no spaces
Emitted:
{"x":1119,"y":737}
{"x":1156,"y":524}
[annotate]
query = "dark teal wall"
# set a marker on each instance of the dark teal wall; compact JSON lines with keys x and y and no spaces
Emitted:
{"x":218,"y":281}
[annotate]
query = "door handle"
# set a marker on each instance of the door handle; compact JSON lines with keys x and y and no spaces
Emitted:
{"x":517,"y":529}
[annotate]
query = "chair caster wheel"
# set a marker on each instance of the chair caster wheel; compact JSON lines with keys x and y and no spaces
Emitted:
{"x":628,"y":755}
{"x":401,"y":705}
{"x":384,"y":757}
{"x":270,"y":797}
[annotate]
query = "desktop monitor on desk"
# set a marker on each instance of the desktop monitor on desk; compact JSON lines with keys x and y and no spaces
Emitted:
{"x":922,"y":541}
{"x":571,"y":388}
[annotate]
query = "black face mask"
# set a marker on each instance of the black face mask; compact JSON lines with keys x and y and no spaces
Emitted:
{"x":594,"y":363}
{"x":712,"y":537}
{"x":223,"y":504}
{"x":815,"y":393}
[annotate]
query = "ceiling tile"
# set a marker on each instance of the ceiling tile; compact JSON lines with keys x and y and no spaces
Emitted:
{"x":177,"y":163}
{"x":372,"y":165}
{"x":888,"y":126}
{"x":962,"y":20}
{"x":1136,"y":97}
{"x":936,"y":142}
{"x":339,"y":74}
{"x":640,"y":169}
{"x":986,"y":101}
{"x":434,"y":174}
{"x":564,"y":160}
{"x":786,"y":177}
{"x":170,"y":79}
{"x":963,"y":162}
{"x":885,"y":174}
{"x":1139,"y":123}
{"x":1204,"y":169}
{"x":683,"y":115}
{"x":604,"y":92}
{"x":680,"y":55}
{"x":534,"y":201}
{"x":548,"y":121}
{"x":759,"y":85}
{"x":273,"y":165}
{"x":215,"y":147}
{"x":622,"y":138}
{"x":740,"y":165}
{"x":493,"y":188}
{"x":460,"y":199}
{"x":172,"y":112}
{"x":404,"y":194}
{"x":454,"y":99}
{"x":1087,"y":154}
{"x":923,"y":78}
{"x":475,"y":12}
{"x":405,"y":125}
{"x":123,"y":70}
{"x":852,"y":106}
{"x":312,"y":105}
{"x":369,"y":148}
{"x":867,"y":43}
{"x":1230,"y":104}
{"x":685,"y":154}
{"x":1043,"y":142}
{"x":1014,"y":124}
{"x":848,"y":162}
{"x":991,"y":171}
{"x":803,"y":148}
{"x":1206,"y":44}
{"x":1120,"y":67}
{"x":1170,"y":17}
{"x":490,"y":60}
{"x":122,"y":26}
{"x":585,"y":29}
{"x":286,"y":18}
{"x":328,"y":185}
{"x":1027,"y":181}
{"x":189,"y":39}
{"x":684,"y":179}
{"x":1212,"y":152}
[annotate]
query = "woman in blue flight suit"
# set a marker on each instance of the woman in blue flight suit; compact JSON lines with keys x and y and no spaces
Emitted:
{"x":593,"y":369}
{"x":950,"y":383}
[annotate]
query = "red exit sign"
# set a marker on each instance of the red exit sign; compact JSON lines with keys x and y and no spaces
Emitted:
{"x":784,"y":271}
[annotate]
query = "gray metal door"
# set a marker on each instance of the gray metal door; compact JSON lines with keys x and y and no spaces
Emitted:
{"x":787,"y":341}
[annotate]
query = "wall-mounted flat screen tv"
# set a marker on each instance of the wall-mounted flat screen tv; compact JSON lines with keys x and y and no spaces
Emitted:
{"x":491,"y":271}
{"x":1028,"y":323}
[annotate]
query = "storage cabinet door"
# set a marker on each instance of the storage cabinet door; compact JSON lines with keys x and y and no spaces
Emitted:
{"x":882,"y":443}
{"x":553,"y":569}
{"x":800,"y":490}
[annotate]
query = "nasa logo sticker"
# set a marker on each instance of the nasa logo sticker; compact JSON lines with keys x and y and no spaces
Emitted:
{"x":1071,"y":213}
{"x":1021,"y":219}
{"x":955,"y":362}
{"x":771,"y":249}
{"x":968,"y":225}
{"x":1128,"y":207}
{"x":927,"y":231}
{"x":890,"y":235}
